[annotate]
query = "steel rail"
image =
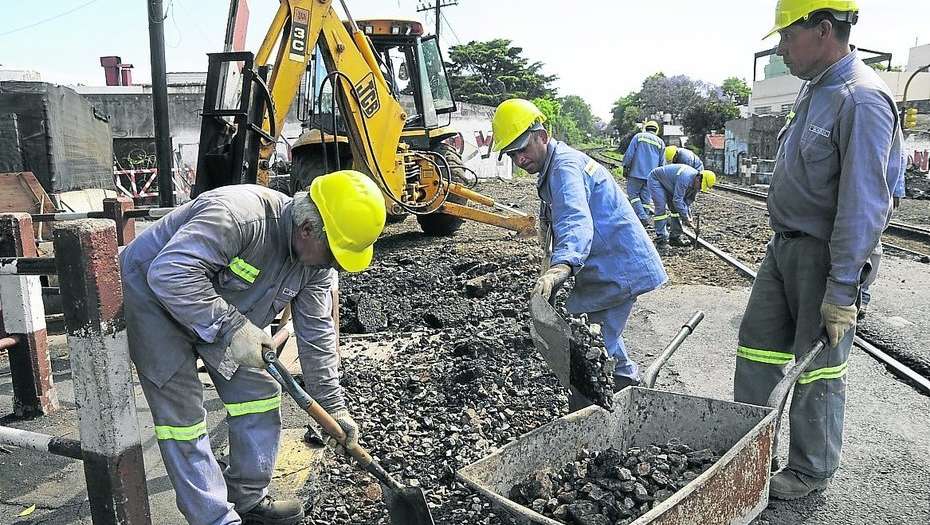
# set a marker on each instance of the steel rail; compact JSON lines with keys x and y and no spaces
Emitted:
{"x":897,"y":368}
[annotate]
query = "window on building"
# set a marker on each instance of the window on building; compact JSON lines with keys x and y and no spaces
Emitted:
{"x":762,"y":110}
{"x":786,"y":108}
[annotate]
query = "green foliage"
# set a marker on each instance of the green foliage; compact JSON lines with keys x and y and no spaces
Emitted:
{"x":880,"y":66}
{"x":559,"y":125}
{"x":626,"y":114}
{"x":709,"y":114}
{"x":736,"y":90}
{"x":578,"y":111}
{"x":490,"y":72}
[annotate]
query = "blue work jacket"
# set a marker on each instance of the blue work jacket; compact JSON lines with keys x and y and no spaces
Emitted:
{"x":645,"y":153}
{"x":677,"y":180}
{"x":595,"y":232}
{"x":837,"y":165}
{"x":686,"y":156}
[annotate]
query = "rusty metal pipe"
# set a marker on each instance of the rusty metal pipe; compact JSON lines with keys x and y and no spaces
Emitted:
{"x":9,"y":342}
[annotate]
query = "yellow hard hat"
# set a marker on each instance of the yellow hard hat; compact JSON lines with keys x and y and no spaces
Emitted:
{"x":651,"y":124}
{"x":708,"y":179}
{"x":788,"y":12}
{"x":353,"y":213}
{"x":670,"y":152}
{"x":513,"y":118}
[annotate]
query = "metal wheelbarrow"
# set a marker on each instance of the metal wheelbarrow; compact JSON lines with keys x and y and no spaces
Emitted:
{"x":734,"y":490}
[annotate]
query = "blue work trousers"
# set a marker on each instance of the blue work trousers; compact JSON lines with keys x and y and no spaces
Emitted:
{"x":613,"y":321}
{"x":640,"y":198}
{"x":665,"y":213}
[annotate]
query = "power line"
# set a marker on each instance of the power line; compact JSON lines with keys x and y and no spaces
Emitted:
{"x":437,"y":7}
{"x":449,"y":25}
{"x":49,"y":19}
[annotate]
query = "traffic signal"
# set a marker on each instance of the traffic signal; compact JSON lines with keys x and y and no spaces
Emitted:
{"x":910,"y":118}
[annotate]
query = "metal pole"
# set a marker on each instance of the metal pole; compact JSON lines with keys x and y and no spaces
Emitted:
{"x":438,"y":23}
{"x":160,"y":103}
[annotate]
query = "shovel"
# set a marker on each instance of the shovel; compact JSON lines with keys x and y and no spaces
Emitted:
{"x":406,"y":505}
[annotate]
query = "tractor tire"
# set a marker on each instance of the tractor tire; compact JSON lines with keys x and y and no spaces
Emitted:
{"x":441,"y":224}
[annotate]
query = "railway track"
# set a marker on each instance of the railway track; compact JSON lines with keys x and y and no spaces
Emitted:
{"x":919,"y":381}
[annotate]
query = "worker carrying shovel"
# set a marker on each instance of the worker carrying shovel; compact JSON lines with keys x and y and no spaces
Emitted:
{"x":595,"y":234}
{"x":202,"y":282}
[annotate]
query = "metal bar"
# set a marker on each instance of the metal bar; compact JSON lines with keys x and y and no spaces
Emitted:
{"x":897,"y":367}
{"x":27,"y":266}
{"x":160,"y":102}
{"x":16,"y":437}
{"x":92,"y":299}
{"x":652,"y":373}
{"x":7,"y":343}
{"x":67,"y":216}
{"x":23,"y":314}
{"x":739,"y":265}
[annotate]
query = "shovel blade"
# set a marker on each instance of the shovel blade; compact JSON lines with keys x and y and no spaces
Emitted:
{"x":552,"y":337}
{"x":407,"y":506}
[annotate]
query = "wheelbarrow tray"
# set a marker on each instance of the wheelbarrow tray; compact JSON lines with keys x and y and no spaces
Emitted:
{"x":734,"y":490}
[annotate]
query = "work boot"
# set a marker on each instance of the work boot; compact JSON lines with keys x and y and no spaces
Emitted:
{"x":662,"y":245}
{"x":621,"y":382}
{"x":679,"y":241}
{"x":789,"y":484}
{"x":862,"y":311}
{"x":271,"y":512}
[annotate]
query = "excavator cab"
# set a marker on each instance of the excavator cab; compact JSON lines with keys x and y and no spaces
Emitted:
{"x":371,"y":95}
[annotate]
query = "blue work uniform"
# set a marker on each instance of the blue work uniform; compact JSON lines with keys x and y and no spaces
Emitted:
{"x":673,"y":191}
{"x":876,"y":258}
{"x":645,"y":153}
{"x":686,"y":156}
{"x":837,"y":161}
{"x":189,"y":282}
{"x":597,"y":234}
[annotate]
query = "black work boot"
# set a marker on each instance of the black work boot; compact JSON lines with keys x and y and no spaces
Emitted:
{"x":271,"y":512}
{"x":621,"y":382}
{"x":679,"y":241}
{"x":662,"y":245}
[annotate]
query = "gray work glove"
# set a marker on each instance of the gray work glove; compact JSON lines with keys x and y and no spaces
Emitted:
{"x":838,"y":320}
{"x":550,"y":282}
{"x":248,"y":345}
{"x":349,"y":426}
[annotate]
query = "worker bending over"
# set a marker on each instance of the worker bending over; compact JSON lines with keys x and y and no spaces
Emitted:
{"x":202,"y":282}
{"x":643,"y":155}
{"x":676,"y":155}
{"x":674,"y":188}
{"x":589,"y":224}
{"x":829,"y":200}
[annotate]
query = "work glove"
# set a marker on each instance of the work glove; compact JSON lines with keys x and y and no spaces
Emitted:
{"x":349,"y":426}
{"x":248,"y":345}
{"x":838,"y":320}
{"x":550,"y":282}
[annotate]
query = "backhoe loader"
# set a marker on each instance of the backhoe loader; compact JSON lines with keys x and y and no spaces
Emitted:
{"x":370,"y":95}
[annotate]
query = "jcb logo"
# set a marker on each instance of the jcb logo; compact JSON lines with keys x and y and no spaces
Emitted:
{"x":368,"y":95}
{"x":298,"y":47}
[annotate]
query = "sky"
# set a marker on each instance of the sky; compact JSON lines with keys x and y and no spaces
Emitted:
{"x":600,"y":49}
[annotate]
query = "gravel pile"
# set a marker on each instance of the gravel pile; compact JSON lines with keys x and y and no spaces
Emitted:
{"x":612,"y":487}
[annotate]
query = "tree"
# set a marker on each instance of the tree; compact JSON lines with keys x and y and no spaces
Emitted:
{"x":626,"y":114}
{"x":575,"y":108}
{"x":675,"y":95}
{"x":558,"y":123}
{"x":736,"y":90}
{"x":709,"y":114}
{"x":490,"y":72}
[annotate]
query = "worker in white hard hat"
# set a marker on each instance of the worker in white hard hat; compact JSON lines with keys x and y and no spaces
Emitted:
{"x":837,"y":163}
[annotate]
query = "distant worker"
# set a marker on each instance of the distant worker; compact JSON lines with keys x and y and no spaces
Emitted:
{"x":676,"y":155}
{"x":592,"y":230}
{"x":876,"y":258}
{"x":674,"y":187}
{"x":644,"y":154}
{"x":830,"y":199}
{"x":202,"y":282}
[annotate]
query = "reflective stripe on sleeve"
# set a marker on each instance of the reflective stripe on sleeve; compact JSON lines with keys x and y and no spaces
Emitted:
{"x":769,"y":357}
{"x":253,"y":407}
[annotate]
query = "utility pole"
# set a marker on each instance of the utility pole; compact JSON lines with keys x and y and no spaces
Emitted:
{"x":437,"y":8}
{"x":163,"y":149}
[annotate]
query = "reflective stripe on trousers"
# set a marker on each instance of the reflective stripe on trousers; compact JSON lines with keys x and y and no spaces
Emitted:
{"x":781,"y":322}
{"x":640,"y":198}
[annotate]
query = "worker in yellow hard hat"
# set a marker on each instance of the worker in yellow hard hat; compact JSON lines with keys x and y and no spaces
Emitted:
{"x":838,"y":159}
{"x":676,"y":155}
{"x":203,"y":282}
{"x":588,"y":226}
{"x":674,"y":188}
{"x":644,"y":154}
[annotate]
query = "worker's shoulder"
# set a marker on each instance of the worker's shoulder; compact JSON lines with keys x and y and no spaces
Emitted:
{"x":567,"y":158}
{"x":862,"y":85}
{"x":248,"y":202}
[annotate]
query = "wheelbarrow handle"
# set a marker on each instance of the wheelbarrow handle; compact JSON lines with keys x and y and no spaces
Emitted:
{"x":320,"y":415}
{"x":652,"y":373}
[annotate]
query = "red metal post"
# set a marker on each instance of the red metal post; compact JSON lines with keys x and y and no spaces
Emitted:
{"x":115,"y":208}
{"x":24,"y":316}
{"x":92,"y":299}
